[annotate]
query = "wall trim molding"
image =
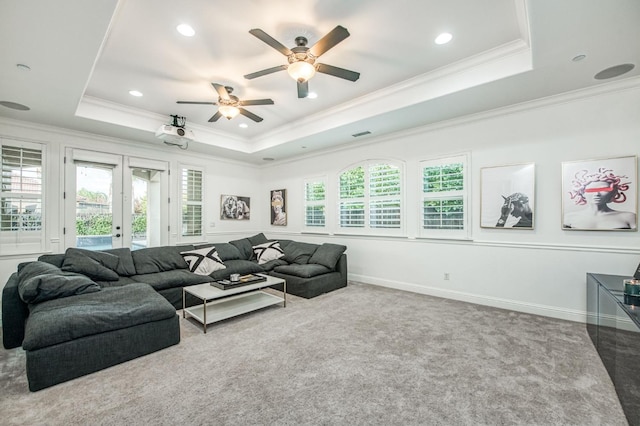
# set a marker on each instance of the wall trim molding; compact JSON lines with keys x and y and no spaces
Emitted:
{"x":495,"y":302}
{"x":470,"y":242}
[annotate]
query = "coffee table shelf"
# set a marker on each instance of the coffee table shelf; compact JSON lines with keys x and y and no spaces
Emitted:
{"x":218,"y":305}
{"x":222,"y":309}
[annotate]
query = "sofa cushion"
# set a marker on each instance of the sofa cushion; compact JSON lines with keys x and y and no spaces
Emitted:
{"x":297,"y":252}
{"x":267,"y":251}
{"x":258,"y":239}
{"x":244,"y":246}
{"x":272,"y":264}
{"x":238,"y":266}
{"x":62,"y":320}
{"x":94,"y":264}
{"x":302,"y":271}
{"x":203,"y":261}
{"x":40,"y":281}
{"x":125,"y":267}
{"x":226,"y":251}
{"x":159,"y":259}
{"x":170,"y":279}
{"x":328,"y":255}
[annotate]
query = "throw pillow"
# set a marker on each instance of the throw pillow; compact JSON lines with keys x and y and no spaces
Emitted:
{"x":95,"y":265}
{"x":267,"y":251}
{"x":203,"y":261}
{"x":328,"y":255}
{"x":40,"y":282}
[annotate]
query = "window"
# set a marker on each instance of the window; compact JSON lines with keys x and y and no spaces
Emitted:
{"x":315,"y":203}
{"x":191,"y":203}
{"x":444,"y":197}
{"x":371,"y":198}
{"x":21,"y":198}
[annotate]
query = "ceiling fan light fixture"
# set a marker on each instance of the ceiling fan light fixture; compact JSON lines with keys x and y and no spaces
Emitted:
{"x":228,"y":111}
{"x":301,"y":71}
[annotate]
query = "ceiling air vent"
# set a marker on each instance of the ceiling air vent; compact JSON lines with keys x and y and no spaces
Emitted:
{"x":366,"y":132}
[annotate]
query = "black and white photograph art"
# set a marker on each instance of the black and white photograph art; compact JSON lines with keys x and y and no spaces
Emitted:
{"x":507,"y":196}
{"x":279,"y":207}
{"x":233,"y":207}
{"x":600,"y":195}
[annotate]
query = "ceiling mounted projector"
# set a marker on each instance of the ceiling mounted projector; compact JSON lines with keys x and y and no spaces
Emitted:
{"x":170,"y":133}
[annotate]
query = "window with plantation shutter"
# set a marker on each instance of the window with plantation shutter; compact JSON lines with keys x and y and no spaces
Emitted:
{"x":192,"y":202}
{"x":444,"y":197}
{"x":315,"y":203}
{"x":371,"y":198}
{"x":21,"y":197}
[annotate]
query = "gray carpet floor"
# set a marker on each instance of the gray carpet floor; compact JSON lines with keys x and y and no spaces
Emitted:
{"x":363,"y":355}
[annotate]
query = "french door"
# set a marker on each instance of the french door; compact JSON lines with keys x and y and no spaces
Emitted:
{"x":114,"y":201}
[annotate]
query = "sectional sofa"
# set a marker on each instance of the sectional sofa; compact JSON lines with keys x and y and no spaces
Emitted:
{"x":83,"y":311}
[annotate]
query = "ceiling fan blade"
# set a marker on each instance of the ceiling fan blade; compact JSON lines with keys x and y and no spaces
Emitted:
{"x":334,"y":37}
{"x":215,"y":117}
{"x":265,"y":72}
{"x":257,"y":102}
{"x":196,"y":103}
{"x":222,"y":91}
{"x":303,"y":89}
{"x":338,"y":72}
{"x":270,"y":41}
{"x":250,"y":115}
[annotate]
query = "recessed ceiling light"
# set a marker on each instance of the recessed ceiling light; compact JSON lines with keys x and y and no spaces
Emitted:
{"x":312,"y":95}
{"x":23,"y":67}
{"x":614,"y":71}
{"x":268,"y":159}
{"x":186,"y":30}
{"x":243,"y":125}
{"x":14,"y":105}
{"x":578,"y":58}
{"x":443,"y":38}
{"x":135,"y":93}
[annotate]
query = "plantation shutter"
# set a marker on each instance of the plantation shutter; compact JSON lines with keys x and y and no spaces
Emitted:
{"x":315,"y":207}
{"x":384,"y":196}
{"x":21,"y":198}
{"x":191,"y":202}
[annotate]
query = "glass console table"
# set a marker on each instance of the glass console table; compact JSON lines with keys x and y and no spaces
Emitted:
{"x":614,"y":328}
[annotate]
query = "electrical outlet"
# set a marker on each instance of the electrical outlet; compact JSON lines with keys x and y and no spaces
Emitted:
{"x":446,"y":276}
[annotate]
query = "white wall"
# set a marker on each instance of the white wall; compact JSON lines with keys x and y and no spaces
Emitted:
{"x":540,"y":271}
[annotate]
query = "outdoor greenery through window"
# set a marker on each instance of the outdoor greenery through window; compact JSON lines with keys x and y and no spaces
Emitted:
{"x":315,"y":203}
{"x":191,"y":202}
{"x":444,"y":194}
{"x":370,"y":197}
{"x":21,"y":194}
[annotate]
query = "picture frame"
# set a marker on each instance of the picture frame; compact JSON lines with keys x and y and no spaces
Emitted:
{"x":600,"y":194}
{"x":278,"y":207}
{"x":507,"y":196}
{"x":235,"y":207}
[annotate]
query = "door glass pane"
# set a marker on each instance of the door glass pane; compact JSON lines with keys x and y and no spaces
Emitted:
{"x":94,"y":207}
{"x":145,"y":208}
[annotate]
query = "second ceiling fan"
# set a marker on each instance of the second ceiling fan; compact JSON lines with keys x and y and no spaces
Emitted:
{"x":302,"y":59}
{"x":229,"y":105}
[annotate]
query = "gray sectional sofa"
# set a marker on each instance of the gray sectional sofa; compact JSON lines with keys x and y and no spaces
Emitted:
{"x":83,"y":311}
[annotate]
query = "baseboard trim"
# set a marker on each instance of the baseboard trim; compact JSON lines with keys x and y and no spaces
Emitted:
{"x":512,"y":305}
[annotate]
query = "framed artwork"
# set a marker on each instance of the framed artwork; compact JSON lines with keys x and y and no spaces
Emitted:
{"x":600,"y":195}
{"x":279,"y":207}
{"x":233,"y":207}
{"x":507,"y":196}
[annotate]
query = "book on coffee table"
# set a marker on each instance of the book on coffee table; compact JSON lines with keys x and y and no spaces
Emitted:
{"x":244,"y":280}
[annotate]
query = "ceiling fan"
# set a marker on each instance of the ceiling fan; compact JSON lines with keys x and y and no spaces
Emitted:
{"x":302,"y":59}
{"x":229,"y":105}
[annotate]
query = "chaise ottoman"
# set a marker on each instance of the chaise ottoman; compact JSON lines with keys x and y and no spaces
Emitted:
{"x":73,"y":336}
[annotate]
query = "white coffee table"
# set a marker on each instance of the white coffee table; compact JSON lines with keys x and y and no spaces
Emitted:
{"x":218,"y":304}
